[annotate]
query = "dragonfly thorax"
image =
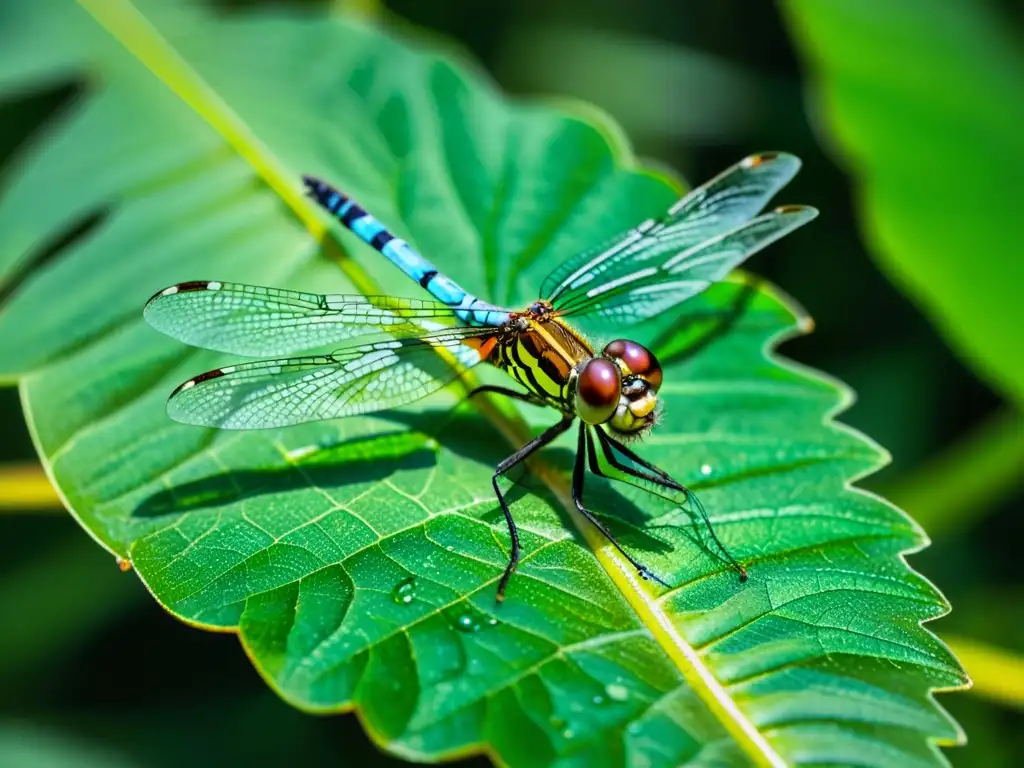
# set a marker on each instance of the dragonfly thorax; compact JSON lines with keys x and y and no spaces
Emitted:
{"x":620,"y":388}
{"x":539,"y":309}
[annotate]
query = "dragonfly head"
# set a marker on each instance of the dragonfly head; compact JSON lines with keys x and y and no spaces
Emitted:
{"x":619,"y":388}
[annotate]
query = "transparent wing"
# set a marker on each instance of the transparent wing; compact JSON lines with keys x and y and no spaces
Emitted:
{"x":710,"y":211}
{"x":255,"y":321}
{"x":653,"y":289}
{"x":358,"y":379}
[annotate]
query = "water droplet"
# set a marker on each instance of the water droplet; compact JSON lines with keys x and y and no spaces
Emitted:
{"x":405,"y":591}
{"x":568,"y":733}
{"x":598,"y":699}
{"x":705,"y":469}
{"x":298,"y":453}
{"x":616,"y":692}
{"x":633,"y":729}
{"x":470,"y":621}
{"x":449,"y":547}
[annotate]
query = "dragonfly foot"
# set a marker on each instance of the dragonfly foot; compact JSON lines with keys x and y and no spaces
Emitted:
{"x":647,"y":574}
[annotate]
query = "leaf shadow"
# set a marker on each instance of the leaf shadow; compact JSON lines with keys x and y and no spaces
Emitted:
{"x":365,"y":459}
{"x":375,"y":457}
{"x":627,"y":521}
{"x":693,"y":333}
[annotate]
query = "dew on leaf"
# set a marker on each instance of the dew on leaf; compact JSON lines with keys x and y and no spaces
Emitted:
{"x":470,"y":621}
{"x":705,"y":469}
{"x":598,"y":699}
{"x":616,"y":692}
{"x":405,"y":591}
{"x":298,"y":453}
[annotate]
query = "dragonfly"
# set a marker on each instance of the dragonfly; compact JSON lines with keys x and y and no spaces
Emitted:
{"x":392,"y":351}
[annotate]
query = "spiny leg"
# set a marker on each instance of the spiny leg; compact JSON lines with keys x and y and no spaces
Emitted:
{"x":663,"y":479}
{"x":607,"y":441}
{"x":578,"y":473}
{"x":595,"y":467}
{"x":540,"y":441}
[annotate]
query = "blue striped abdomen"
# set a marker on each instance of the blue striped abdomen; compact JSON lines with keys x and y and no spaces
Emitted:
{"x":466,"y":306}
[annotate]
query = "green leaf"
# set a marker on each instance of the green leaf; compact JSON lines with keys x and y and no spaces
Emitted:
{"x":923,"y":103}
{"x":358,"y":559}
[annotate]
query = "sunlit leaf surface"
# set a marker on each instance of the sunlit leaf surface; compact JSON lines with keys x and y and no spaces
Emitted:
{"x":358,"y":559}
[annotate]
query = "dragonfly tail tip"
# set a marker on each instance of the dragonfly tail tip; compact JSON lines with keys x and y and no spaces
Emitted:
{"x":312,"y":184}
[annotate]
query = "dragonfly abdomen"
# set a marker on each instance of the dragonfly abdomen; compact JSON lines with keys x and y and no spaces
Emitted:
{"x":467,"y":307}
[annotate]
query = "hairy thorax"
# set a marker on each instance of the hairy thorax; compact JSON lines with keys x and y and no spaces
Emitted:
{"x":542,"y":354}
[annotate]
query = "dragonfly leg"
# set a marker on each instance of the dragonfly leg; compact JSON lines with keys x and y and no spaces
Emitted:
{"x":662,"y":478}
{"x":526,"y":397}
{"x":578,"y":472}
{"x":545,"y":437}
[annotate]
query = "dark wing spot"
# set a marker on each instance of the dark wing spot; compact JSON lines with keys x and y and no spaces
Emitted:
{"x":193,"y":285}
{"x":216,"y":373}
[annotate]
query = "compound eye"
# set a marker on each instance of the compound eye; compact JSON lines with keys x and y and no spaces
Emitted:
{"x":597,"y":390}
{"x":639,"y":360}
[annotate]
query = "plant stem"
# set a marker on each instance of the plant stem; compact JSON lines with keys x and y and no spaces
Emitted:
{"x":997,"y":674}
{"x":25,"y":488}
{"x":135,"y":33}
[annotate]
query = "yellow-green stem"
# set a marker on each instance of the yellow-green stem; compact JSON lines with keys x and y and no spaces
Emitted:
{"x":25,"y":488}
{"x":997,"y":674}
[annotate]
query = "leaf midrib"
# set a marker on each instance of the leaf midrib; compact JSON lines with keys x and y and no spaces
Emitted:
{"x":133,"y":31}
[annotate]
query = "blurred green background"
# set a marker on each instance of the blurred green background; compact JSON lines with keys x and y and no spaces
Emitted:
{"x":906,"y":114}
